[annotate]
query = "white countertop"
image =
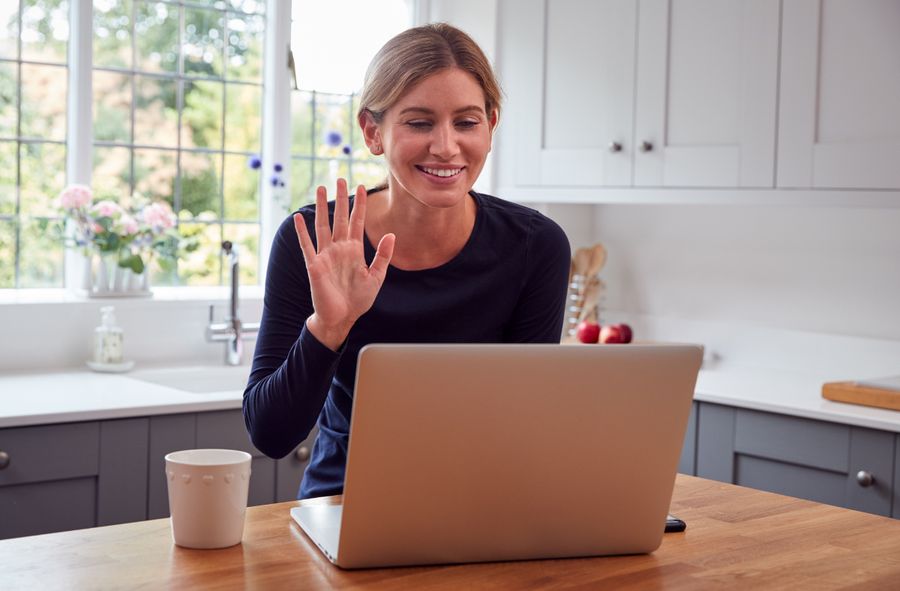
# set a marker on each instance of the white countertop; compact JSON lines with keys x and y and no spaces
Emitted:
{"x":57,"y":397}
{"x":62,"y":397}
{"x":787,"y":392}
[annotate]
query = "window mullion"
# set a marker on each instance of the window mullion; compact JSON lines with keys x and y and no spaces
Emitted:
{"x":276,"y":117}
{"x":79,"y":137}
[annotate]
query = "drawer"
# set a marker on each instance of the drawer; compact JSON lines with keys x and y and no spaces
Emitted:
{"x":50,"y":452}
{"x":792,"y":439}
{"x":42,"y":508}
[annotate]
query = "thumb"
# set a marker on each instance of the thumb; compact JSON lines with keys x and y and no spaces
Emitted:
{"x":383,"y":255}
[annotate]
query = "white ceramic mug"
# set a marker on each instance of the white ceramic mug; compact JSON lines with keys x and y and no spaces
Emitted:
{"x":208,"y":496}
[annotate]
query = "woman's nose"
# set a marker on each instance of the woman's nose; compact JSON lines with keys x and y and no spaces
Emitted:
{"x":444,"y":142}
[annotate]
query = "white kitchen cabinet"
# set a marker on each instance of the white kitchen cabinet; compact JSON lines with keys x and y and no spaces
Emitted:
{"x":839,"y":123}
{"x":647,"y":93}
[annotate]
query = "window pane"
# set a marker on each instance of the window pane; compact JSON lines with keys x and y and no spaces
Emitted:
{"x":44,"y":90}
{"x":8,"y":153}
{"x":302,"y":190}
{"x":202,"y":267}
{"x":332,"y":124}
{"x":359,"y":150}
{"x":246,"y":237}
{"x":45,"y":30}
{"x":112,"y":107}
{"x":200,"y":183}
{"x":245,"y":47}
{"x":40,"y":255}
{"x":369,"y":174}
{"x":242,"y":120}
{"x":327,"y":173}
{"x":7,"y":254}
{"x":43,"y":177}
{"x":202,"y":115}
{"x":247,"y":5}
{"x":156,"y":112}
{"x":203,"y":46}
{"x":301,"y":123}
{"x":112,"y":33}
{"x":112,"y":172}
{"x":9,"y":81}
{"x":155,"y":172}
{"x":9,"y":29}
{"x":241,"y":189}
{"x":156,"y":37}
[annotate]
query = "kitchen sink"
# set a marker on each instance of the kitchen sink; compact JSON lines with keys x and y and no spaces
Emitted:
{"x":199,"y":379}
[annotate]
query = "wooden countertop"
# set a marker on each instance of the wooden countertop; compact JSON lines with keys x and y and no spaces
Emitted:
{"x":737,"y":538}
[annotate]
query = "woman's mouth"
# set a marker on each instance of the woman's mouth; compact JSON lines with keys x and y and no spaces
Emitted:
{"x":440,"y":172}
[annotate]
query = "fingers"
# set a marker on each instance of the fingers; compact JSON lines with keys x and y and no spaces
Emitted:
{"x":323,"y":228}
{"x":341,"y":211}
{"x":358,"y":215}
{"x":382,"y":256}
{"x":306,"y":245}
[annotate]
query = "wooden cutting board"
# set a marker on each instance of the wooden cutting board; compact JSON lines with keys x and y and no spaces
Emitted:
{"x":856,"y":393}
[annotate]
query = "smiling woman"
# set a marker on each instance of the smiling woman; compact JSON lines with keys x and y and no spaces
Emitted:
{"x":421,"y":258}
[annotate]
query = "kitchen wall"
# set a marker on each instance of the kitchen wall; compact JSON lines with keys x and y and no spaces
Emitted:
{"x":833,"y":270}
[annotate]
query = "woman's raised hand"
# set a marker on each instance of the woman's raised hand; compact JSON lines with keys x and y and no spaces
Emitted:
{"x":343,"y":287}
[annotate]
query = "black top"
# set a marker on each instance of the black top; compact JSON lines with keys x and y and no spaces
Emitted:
{"x":507,"y":285}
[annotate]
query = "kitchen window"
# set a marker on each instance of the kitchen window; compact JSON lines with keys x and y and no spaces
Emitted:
{"x":177,"y":91}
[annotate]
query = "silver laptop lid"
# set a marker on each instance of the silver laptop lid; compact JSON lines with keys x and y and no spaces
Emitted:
{"x":468,"y":453}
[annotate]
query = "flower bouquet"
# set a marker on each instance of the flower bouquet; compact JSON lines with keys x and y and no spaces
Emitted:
{"x":119,"y":240}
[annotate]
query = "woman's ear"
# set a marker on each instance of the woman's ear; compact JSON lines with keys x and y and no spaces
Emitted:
{"x":494,"y":119}
{"x":371,"y":132}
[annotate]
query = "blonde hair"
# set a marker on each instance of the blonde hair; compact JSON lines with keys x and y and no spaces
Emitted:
{"x":413,"y":55}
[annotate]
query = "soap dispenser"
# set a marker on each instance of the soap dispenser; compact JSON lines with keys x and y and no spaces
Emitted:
{"x":108,"y":338}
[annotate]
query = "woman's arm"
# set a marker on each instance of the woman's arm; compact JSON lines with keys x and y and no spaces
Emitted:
{"x":315,"y":292}
{"x":292,"y":370}
{"x":538,"y":315}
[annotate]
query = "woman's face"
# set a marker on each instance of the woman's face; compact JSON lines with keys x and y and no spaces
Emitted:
{"x":435,"y":138}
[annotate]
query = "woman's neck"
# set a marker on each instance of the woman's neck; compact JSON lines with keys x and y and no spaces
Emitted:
{"x":427,"y":237}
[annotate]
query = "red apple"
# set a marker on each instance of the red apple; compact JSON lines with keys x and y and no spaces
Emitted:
{"x":588,"y":331}
{"x":626,"y":332}
{"x":611,"y":333}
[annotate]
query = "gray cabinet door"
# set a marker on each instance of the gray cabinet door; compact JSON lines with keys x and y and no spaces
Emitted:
{"x":805,"y":458}
{"x":291,"y":467}
{"x":50,"y":482}
{"x":687,"y":464}
{"x":122,"y":479}
{"x":168,"y":433}
{"x":225,"y":429}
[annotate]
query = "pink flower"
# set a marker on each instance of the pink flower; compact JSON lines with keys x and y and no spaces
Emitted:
{"x":75,"y":197}
{"x":159,"y":215}
{"x":106,"y":209}
{"x":128,"y":225}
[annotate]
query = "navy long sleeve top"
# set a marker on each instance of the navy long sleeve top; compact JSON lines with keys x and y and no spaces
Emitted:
{"x":507,"y":285}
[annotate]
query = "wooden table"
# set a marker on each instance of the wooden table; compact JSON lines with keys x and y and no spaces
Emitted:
{"x":737,"y":538}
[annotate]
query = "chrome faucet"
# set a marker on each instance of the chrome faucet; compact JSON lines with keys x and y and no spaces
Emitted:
{"x":232,"y":331}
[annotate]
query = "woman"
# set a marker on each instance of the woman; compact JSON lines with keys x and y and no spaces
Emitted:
{"x":451,"y":265}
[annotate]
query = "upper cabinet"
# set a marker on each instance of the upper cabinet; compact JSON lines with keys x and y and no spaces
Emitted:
{"x":665,"y":97}
{"x":655,"y":93}
{"x":839,"y":124}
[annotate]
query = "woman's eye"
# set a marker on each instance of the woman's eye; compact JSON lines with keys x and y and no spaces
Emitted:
{"x":467,"y":124}
{"x":419,"y":124}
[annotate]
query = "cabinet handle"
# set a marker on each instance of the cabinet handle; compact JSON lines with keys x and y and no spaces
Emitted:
{"x":646,"y":146}
{"x":615,"y":147}
{"x":302,"y":453}
{"x":865,"y":478}
{"x":4,"y":460}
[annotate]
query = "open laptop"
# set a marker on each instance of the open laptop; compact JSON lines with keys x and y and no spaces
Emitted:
{"x":474,"y":453}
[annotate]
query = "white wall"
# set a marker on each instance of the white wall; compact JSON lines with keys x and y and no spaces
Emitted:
{"x":821,"y":269}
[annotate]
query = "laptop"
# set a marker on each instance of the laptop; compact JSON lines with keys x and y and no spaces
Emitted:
{"x":493,"y":452}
